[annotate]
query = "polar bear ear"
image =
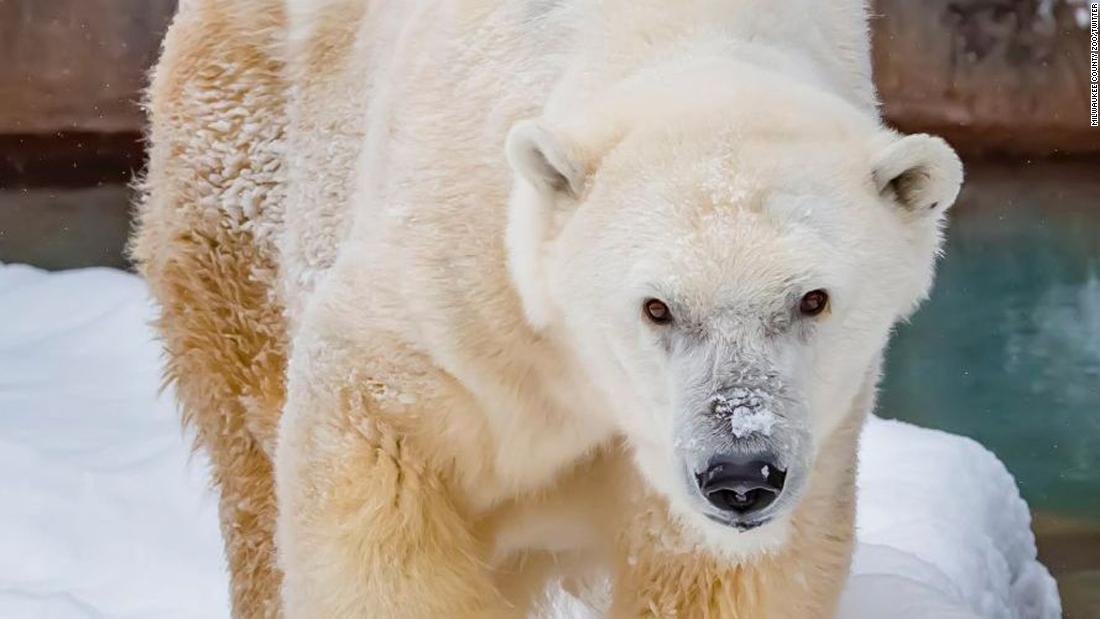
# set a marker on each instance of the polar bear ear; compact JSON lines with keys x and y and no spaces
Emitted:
{"x":544,"y":160}
{"x":920,"y":172}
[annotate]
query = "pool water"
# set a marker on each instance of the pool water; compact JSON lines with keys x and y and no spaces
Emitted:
{"x":1007,"y":350}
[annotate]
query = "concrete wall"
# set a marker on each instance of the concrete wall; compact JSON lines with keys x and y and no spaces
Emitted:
{"x":76,"y":65}
{"x":991,"y":75}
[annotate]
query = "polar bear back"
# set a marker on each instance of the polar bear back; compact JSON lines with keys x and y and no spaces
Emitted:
{"x":384,"y":97}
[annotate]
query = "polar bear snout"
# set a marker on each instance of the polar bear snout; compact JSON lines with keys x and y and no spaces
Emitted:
{"x":742,"y":486}
{"x":744,"y":437}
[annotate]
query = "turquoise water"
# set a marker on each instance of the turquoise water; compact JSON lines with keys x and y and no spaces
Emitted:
{"x":1007,"y":350}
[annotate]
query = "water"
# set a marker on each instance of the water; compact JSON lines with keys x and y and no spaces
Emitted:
{"x":1007,"y":350}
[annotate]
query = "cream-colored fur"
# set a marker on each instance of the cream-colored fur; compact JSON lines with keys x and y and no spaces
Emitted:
{"x":400,"y":249}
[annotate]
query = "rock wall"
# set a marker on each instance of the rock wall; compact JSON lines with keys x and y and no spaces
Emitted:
{"x":1008,"y":76}
{"x":77,"y":65}
{"x":992,"y":75}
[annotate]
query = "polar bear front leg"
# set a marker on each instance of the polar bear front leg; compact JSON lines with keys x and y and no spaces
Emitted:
{"x":367,"y":526}
{"x":658,"y":574}
{"x":653,"y":578}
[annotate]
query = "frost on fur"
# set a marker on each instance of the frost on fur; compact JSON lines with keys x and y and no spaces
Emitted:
{"x":424,"y":326}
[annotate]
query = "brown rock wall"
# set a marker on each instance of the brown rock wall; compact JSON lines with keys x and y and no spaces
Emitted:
{"x":76,"y":65}
{"x":1006,"y":76}
{"x":991,"y":75}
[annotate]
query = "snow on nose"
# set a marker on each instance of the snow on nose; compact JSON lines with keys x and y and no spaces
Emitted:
{"x":749,"y":411}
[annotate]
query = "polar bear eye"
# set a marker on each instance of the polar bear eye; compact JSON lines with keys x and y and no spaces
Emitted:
{"x":657,"y":311}
{"x":814,"y":302}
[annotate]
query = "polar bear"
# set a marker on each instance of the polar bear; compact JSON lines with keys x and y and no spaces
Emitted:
{"x":468,"y":297}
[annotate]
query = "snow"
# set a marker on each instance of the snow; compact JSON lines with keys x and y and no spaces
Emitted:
{"x":104,"y":512}
{"x":747,"y":410}
{"x":745,"y":422}
{"x":941,"y":525}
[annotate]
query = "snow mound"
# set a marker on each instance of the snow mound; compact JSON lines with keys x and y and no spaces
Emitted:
{"x":942,"y":532}
{"x":102,"y":513}
{"x":105,"y":513}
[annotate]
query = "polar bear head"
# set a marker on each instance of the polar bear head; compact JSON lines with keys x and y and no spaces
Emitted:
{"x":728,"y":273}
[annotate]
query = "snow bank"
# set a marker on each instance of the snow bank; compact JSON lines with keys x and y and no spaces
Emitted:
{"x":101,"y":512}
{"x":942,"y":532}
{"x":104,"y":513}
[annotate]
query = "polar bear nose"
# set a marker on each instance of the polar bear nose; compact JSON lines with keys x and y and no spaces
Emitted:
{"x":742,"y":485}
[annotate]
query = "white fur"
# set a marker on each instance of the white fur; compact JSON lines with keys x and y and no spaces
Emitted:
{"x":725,"y":154}
{"x":937,"y":168}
